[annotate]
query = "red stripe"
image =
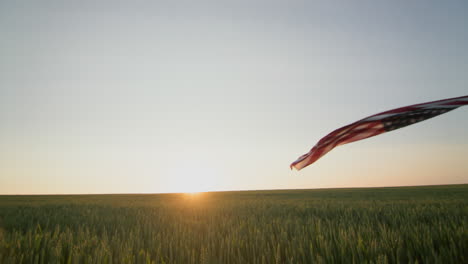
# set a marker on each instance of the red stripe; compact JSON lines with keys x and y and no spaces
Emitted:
{"x":319,"y":150}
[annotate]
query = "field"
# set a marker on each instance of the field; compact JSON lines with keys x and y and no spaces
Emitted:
{"x":374,"y":225}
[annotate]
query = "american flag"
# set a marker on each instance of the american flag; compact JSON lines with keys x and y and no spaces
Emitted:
{"x":378,"y":124}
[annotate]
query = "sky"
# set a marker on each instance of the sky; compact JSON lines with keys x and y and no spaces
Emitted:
{"x":211,"y":95}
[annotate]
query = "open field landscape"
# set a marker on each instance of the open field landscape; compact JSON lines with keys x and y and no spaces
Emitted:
{"x":372,"y":225}
{"x":128,"y":129}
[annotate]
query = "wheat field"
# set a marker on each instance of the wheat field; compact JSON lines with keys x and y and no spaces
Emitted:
{"x":367,"y":225}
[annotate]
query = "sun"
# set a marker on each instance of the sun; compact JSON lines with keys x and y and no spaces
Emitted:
{"x":193,"y":194}
{"x":193,"y":178}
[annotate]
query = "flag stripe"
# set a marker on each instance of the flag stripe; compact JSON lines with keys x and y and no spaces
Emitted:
{"x":378,"y":124}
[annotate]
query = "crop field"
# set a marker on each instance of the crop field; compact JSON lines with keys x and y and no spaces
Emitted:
{"x":371,"y":225}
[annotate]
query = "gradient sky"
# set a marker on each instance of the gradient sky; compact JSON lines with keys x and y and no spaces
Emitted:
{"x":174,"y":96}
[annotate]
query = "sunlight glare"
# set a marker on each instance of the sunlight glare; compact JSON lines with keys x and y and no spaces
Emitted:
{"x":193,"y":178}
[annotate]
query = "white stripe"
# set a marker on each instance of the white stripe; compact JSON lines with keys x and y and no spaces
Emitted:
{"x":375,"y":118}
{"x":333,"y":140}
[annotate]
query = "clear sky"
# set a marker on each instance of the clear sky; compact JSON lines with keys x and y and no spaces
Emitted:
{"x":174,"y":96}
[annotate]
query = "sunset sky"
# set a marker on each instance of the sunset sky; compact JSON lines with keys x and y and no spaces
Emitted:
{"x":177,"y":96}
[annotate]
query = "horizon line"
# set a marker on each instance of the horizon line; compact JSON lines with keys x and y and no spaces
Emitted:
{"x":239,"y":190}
